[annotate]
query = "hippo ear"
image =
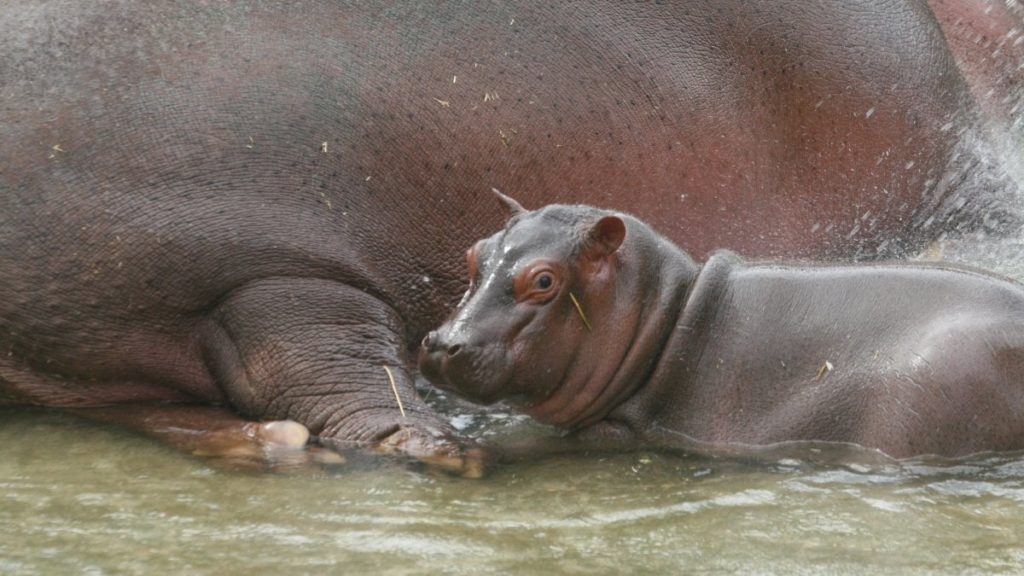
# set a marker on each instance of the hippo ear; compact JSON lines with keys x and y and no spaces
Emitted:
{"x":515,"y":208}
{"x":604,"y":238}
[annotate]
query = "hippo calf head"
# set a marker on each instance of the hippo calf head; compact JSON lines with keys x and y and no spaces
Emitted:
{"x":552,"y":316}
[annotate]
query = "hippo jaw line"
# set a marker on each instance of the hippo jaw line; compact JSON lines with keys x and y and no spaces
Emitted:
{"x":586,"y":394}
{"x":558,"y":409}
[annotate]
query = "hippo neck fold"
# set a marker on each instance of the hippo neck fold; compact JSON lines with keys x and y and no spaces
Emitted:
{"x":681,"y":346}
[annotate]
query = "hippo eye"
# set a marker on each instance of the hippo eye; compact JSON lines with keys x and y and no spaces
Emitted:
{"x":538,"y":283}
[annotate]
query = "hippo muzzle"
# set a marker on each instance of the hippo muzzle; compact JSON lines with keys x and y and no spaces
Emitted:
{"x":456,"y":364}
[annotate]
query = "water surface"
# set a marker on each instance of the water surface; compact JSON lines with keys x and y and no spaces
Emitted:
{"x":79,"y":498}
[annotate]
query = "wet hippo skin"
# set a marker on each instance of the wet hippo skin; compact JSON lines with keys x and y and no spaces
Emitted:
{"x":586,"y":318}
{"x":984,"y":37}
{"x":260,"y":206}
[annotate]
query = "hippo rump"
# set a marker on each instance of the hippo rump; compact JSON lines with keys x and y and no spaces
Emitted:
{"x":258,"y":206}
{"x":587,"y":319}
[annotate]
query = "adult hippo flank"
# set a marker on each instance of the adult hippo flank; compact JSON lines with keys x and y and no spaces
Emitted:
{"x":259,"y":206}
{"x":587,"y":319}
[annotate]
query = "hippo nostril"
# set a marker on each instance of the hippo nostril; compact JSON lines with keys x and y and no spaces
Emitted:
{"x":429,"y":341}
{"x":434,"y":342}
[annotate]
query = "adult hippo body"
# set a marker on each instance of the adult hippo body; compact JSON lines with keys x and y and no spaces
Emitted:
{"x":259,"y":205}
{"x":588,"y":319}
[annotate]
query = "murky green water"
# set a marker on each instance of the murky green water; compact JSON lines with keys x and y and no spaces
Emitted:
{"x":76,"y":498}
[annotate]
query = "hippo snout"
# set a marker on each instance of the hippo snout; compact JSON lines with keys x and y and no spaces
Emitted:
{"x":475,"y":371}
{"x":436,"y":354}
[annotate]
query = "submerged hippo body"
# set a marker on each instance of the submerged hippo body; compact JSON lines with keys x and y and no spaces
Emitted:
{"x":583,"y":316}
{"x":257,"y":205}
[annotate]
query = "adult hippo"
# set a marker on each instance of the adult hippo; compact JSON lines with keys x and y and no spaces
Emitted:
{"x":258,"y":205}
{"x":587,"y":318}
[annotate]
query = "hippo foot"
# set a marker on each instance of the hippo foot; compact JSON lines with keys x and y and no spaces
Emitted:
{"x":276,"y":445}
{"x":283,"y":433}
{"x":436,"y":450}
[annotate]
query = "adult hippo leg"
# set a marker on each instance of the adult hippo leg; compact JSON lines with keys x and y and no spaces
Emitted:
{"x":325,"y":354}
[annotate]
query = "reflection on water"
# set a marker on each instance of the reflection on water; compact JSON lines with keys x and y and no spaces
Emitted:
{"x":76,"y":498}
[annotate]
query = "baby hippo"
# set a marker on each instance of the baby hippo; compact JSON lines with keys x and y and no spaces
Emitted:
{"x":588,"y":319}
